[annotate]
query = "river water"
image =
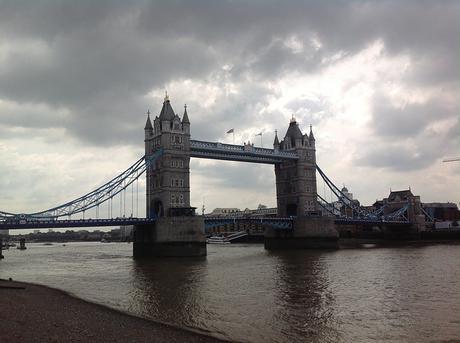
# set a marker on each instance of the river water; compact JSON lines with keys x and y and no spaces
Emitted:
{"x":242,"y":292}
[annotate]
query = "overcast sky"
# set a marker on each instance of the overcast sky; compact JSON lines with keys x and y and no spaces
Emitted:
{"x":378,"y":80}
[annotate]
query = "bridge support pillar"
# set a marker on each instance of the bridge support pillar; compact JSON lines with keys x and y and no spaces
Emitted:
{"x":1,"y":247}
{"x":309,"y":233}
{"x":170,"y":236}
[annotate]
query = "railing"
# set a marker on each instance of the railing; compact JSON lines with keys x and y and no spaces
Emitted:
{"x":65,"y":223}
{"x":216,"y":150}
{"x":93,"y":199}
{"x":275,"y":223}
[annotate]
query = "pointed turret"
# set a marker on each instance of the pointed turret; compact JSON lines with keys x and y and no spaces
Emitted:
{"x":167,"y":112}
{"x":185,"y":119}
{"x":276,"y":142}
{"x":148,"y":123}
{"x":293,"y":137}
{"x":311,"y":138}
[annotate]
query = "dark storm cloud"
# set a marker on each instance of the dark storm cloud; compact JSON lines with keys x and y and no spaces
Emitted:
{"x":98,"y":59}
{"x":408,"y":120}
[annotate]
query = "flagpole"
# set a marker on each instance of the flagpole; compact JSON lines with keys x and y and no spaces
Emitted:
{"x":261,"y":143}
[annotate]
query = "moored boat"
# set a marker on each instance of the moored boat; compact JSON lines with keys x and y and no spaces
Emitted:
{"x":217,"y":240}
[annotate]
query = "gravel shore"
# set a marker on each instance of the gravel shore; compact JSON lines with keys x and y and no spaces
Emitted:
{"x":32,"y":313}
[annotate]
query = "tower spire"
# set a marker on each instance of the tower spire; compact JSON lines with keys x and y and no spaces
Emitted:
{"x":148,"y":123}
{"x":276,"y":142}
{"x":185,"y":119}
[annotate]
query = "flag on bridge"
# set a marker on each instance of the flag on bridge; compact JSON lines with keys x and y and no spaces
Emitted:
{"x":230,"y":131}
{"x":259,"y":134}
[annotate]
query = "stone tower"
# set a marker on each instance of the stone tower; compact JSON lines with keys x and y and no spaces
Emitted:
{"x":296,"y":180}
{"x":168,"y":179}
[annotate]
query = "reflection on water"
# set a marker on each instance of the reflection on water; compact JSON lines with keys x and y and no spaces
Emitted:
{"x":244,"y":293}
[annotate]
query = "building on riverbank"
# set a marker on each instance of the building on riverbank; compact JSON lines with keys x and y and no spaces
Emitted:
{"x":447,"y":211}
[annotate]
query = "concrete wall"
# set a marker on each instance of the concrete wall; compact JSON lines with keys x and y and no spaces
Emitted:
{"x":173,"y":236}
{"x":308,"y":233}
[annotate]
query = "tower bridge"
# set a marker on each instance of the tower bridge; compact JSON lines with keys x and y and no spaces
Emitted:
{"x":171,"y":227}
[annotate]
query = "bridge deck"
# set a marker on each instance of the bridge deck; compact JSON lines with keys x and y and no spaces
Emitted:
{"x":76,"y":223}
{"x":275,"y":222}
{"x":242,"y":153}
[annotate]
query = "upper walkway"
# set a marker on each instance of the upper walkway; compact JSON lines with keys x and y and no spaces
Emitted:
{"x":242,"y":153}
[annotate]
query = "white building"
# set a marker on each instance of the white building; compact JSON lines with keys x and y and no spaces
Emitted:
{"x":220,"y":212}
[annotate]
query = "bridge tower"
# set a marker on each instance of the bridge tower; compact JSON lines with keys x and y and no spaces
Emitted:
{"x":296,"y":180}
{"x":296,"y":196}
{"x":168,"y":180}
{"x":176,"y":231}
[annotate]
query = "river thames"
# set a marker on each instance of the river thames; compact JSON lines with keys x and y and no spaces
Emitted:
{"x":243,"y":293}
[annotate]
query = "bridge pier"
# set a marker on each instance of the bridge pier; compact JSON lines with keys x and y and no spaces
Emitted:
{"x":309,"y":233}
{"x":170,"y":237}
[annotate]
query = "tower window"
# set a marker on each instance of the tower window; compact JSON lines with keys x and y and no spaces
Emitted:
{"x":176,"y":163}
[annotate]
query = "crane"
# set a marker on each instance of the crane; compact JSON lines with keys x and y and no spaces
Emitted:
{"x":452,"y":159}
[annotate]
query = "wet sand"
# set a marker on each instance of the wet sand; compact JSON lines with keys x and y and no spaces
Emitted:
{"x":33,"y":313}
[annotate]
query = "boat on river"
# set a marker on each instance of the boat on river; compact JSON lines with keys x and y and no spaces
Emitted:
{"x":217,"y":240}
{"x":226,"y":239}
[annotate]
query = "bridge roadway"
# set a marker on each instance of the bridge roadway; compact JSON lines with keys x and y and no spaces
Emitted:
{"x":356,"y":221}
{"x":274,"y":222}
{"x":54,"y":224}
{"x":242,"y":153}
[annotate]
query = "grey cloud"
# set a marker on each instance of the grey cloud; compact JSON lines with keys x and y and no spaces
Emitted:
{"x":98,"y":59}
{"x":408,"y":153}
{"x":399,"y":158}
{"x":407,"y":121}
{"x":404,"y":139}
{"x":238,"y":175}
{"x":309,"y":110}
{"x":239,"y":111}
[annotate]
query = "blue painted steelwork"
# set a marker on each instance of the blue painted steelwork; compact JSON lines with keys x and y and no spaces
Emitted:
{"x":246,"y":153}
{"x":350,"y":221}
{"x":275,"y":223}
{"x":398,"y":214}
{"x":242,"y":153}
{"x":363,"y":216}
{"x":343,"y":198}
{"x":85,"y":202}
{"x":325,"y":205}
{"x":427,"y":215}
{"x":53,"y":224}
